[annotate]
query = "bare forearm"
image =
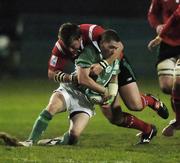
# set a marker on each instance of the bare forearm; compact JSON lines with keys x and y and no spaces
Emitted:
{"x":86,"y":80}
{"x":91,"y":84}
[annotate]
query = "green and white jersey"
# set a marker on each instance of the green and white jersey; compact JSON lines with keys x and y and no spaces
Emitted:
{"x":91,"y":55}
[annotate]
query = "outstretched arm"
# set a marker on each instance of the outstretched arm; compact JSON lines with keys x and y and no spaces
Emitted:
{"x":61,"y":77}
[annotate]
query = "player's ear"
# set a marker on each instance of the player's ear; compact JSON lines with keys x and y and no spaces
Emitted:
{"x":101,"y":43}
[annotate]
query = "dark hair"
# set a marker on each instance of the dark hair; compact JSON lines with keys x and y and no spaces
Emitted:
{"x":109,"y":35}
{"x":69,"y":32}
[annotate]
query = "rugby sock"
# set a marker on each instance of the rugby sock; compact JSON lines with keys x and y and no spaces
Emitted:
{"x":176,"y":104}
{"x":68,"y":139}
{"x":130,"y":121}
{"x":147,"y":100}
{"x":172,"y":105}
{"x":65,"y":139}
{"x":40,"y":125}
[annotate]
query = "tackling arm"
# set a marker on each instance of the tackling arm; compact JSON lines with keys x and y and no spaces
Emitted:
{"x":86,"y":80}
{"x":61,"y":77}
{"x":103,"y":64}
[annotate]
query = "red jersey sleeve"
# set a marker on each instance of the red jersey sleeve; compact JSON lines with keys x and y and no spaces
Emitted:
{"x":171,"y":31}
{"x":57,"y":61}
{"x":154,"y":13}
{"x":160,"y":11}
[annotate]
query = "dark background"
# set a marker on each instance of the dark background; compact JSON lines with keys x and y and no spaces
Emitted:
{"x":33,"y":25}
{"x":117,"y":8}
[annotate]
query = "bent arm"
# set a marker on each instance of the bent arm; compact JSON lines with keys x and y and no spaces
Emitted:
{"x":86,"y":80}
{"x":61,"y":77}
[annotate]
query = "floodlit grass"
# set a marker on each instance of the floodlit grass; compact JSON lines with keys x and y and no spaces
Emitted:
{"x":22,"y":100}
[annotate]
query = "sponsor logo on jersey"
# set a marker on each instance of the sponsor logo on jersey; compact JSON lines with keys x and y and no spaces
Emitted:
{"x":53,"y":60}
{"x":108,"y":69}
{"x":129,"y":79}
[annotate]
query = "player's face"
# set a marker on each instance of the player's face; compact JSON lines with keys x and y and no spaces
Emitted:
{"x":75,"y":45}
{"x":108,"y":48}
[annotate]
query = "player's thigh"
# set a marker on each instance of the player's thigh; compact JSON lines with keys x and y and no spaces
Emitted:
{"x":166,"y":71}
{"x":56,"y":103}
{"x":78,"y":123}
{"x":131,"y":96}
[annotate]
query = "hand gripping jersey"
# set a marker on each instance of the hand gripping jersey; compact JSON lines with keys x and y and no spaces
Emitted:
{"x":171,"y":31}
{"x":160,"y":11}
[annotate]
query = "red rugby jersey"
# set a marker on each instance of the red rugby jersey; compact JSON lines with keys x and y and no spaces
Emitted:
{"x":171,"y":31}
{"x":161,"y":10}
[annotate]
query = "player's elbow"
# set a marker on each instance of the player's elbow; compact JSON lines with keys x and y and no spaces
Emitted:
{"x":51,"y":74}
{"x":82,"y":80}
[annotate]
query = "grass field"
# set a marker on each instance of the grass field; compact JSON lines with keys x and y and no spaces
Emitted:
{"x":22,"y":100}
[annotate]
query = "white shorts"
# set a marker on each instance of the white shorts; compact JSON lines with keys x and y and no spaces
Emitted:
{"x":75,"y":100}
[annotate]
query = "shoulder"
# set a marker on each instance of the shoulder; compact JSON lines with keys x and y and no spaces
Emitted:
{"x":88,"y":56}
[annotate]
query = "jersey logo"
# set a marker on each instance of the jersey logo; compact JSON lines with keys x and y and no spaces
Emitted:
{"x":53,"y":60}
{"x":108,"y":69}
{"x":129,"y":79}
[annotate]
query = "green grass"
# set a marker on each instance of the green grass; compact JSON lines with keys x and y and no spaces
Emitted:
{"x":21,"y":101}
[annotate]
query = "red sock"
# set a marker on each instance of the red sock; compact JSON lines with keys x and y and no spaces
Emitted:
{"x":130,"y":121}
{"x":176,"y":104}
{"x":147,"y":100}
{"x":172,"y":104}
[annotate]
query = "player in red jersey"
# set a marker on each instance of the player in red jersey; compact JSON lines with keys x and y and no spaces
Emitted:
{"x":164,"y":16}
{"x":72,"y":39}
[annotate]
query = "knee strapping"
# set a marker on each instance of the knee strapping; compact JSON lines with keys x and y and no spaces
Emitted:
{"x":166,"y":67}
{"x":177,"y":68}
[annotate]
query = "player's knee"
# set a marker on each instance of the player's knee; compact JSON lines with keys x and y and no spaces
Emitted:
{"x":177,"y":69}
{"x":52,"y":109}
{"x":166,"y":88}
{"x":135,"y":105}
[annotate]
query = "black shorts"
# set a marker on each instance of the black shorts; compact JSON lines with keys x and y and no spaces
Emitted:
{"x":166,"y":51}
{"x":126,"y":74}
